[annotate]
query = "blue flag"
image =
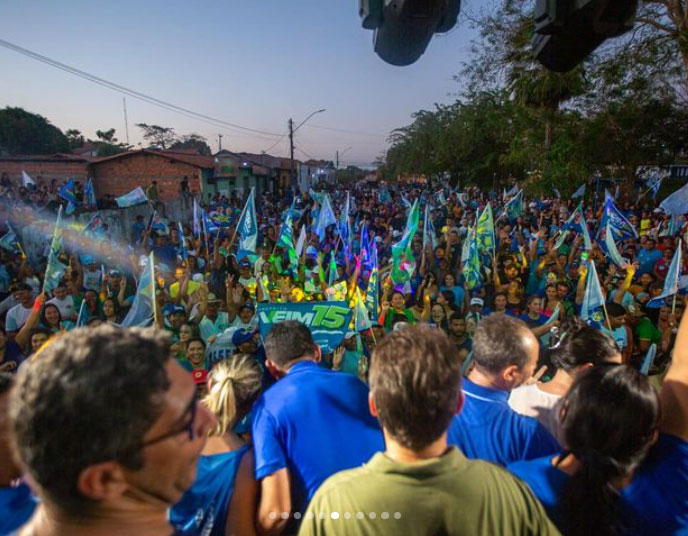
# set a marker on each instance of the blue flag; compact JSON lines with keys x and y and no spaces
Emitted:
{"x":677,"y":203}
{"x":142,"y":311}
{"x":248,"y":228}
{"x":9,"y":241}
{"x":286,"y":236}
{"x":55,"y":269}
{"x":671,"y":281}
{"x":67,"y":192}
{"x":655,"y":187}
{"x":325,"y":218}
{"x":514,"y":207}
{"x":429,"y":233}
{"x":196,"y":219}
{"x":593,"y":298}
{"x":344,"y":230}
{"x":373,"y":287}
{"x":580,"y":192}
{"x":182,"y":241}
{"x":90,"y":194}
{"x":133,"y":198}
{"x":612,"y":250}
{"x":621,"y":227}
{"x":648,"y":359}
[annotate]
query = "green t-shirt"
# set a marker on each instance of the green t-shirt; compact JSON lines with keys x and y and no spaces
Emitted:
{"x":647,"y":331}
{"x":446,"y":495}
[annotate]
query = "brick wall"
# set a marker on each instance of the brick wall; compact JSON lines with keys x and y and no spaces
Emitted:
{"x":48,"y":170}
{"x":119,"y":176}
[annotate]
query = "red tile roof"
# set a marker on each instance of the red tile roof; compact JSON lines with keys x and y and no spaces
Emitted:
{"x":197,"y":160}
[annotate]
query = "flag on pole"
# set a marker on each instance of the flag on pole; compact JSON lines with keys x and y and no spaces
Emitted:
{"x":373,"y":287}
{"x":142,"y":311}
{"x":671,"y":280}
{"x":344,"y":220}
{"x":593,"y":297}
{"x":332,"y":276}
{"x":580,"y":192}
{"x":301,"y":241}
{"x":562,"y":238}
{"x":94,"y":225}
{"x":471,"y":268}
{"x":512,"y":191}
{"x":616,"y":192}
{"x":403,"y":261}
{"x":429,"y":233}
{"x":485,"y":232}
{"x":54,"y":270}
{"x":325,"y":218}
{"x":677,"y":203}
{"x":9,"y":240}
{"x":655,"y":187}
{"x":196,"y":220}
{"x":182,"y":242}
{"x":286,"y":238}
{"x":90,"y":194}
{"x":361,"y":319}
{"x":648,"y":360}
{"x":133,"y":198}
{"x":68,"y":193}
{"x":27,"y":180}
{"x":248,"y":228}
{"x":514,"y":207}
{"x":557,"y":193}
{"x":621,"y":227}
{"x":612,"y":250}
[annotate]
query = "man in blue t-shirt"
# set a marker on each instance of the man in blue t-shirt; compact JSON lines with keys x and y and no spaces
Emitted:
{"x":505,"y":353}
{"x":647,"y":257}
{"x":311,"y":424}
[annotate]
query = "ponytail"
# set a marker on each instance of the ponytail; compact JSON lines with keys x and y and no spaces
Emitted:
{"x":235,"y":384}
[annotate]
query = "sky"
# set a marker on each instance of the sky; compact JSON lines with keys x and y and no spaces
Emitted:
{"x":254,"y":63}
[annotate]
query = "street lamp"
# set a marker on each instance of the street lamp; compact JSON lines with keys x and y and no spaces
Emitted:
{"x":291,"y":142}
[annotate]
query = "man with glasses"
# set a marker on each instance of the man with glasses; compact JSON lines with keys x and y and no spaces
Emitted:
{"x":108,"y":428}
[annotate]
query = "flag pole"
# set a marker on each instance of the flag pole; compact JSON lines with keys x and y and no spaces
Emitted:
{"x":606,"y":316}
{"x":151,"y":260}
{"x":236,"y":230}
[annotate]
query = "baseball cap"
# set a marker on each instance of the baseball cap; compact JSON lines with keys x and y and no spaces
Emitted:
{"x":350,"y":334}
{"x":115,"y":273}
{"x":174,"y":310}
{"x":477,"y":301}
{"x":245,"y":263}
{"x":200,"y":376}
{"x":20,"y":285}
{"x":213,"y":298}
{"x":241,"y":336}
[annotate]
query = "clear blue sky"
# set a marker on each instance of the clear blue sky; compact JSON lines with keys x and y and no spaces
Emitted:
{"x":251,"y":62}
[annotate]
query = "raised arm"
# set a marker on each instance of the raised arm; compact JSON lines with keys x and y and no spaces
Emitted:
{"x":674,"y":395}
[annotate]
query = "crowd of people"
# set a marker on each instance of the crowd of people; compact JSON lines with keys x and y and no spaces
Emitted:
{"x":480,"y":388}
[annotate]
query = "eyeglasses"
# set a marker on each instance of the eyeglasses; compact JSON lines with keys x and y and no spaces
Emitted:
{"x":189,"y":427}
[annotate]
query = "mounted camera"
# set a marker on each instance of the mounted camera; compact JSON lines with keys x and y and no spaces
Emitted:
{"x":403,"y":28}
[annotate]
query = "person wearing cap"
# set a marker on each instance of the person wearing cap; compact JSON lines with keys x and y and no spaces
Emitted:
{"x":246,"y":278}
{"x":175,"y":316}
{"x":91,"y":274}
{"x":213,"y":321}
{"x":347,"y":358}
{"x":505,"y":355}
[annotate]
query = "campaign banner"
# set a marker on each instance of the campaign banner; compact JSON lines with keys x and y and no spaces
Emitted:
{"x":327,"y":321}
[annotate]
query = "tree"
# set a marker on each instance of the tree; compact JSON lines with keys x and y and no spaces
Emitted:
{"x":157,"y":136}
{"x":23,"y":132}
{"x":74,"y":138}
{"x":193,"y":141}
{"x":107,"y":136}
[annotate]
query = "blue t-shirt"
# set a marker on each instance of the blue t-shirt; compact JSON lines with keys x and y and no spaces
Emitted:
{"x":13,"y":354}
{"x":658,"y":494}
{"x":315,"y":422}
{"x":203,"y":508}
{"x":488,"y":429}
{"x":647,"y":261}
{"x":17,"y":504}
{"x":459,"y":294}
{"x":546,"y":483}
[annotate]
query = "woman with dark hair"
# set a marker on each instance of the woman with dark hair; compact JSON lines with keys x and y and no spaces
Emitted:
{"x":111,"y":311}
{"x":51,"y":319}
{"x":579,"y":348}
{"x":610,"y":419}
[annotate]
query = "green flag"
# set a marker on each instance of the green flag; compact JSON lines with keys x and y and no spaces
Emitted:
{"x":403,"y":261}
{"x":485,"y":230}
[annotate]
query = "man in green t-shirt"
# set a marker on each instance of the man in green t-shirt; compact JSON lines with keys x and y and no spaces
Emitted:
{"x":644,"y":331}
{"x":420,"y":485}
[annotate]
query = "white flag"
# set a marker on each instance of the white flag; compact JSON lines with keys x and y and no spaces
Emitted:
{"x":26,"y":179}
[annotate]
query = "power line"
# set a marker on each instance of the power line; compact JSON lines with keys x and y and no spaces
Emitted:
{"x":275,"y":144}
{"x":377,"y":135}
{"x":304,"y":152}
{"x":130,"y":92}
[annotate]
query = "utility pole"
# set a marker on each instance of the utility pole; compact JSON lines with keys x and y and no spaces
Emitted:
{"x":126,"y":122}
{"x":219,"y":143}
{"x":291,"y":149}
{"x":337,"y":159}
